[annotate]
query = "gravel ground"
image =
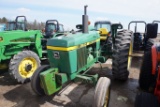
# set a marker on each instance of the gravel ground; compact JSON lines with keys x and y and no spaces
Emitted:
{"x":73,"y":94}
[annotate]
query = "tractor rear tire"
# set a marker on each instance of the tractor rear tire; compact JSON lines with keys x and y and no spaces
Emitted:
{"x":23,"y":65}
{"x":146,"y":100}
{"x":110,"y":43}
{"x":109,"y":40}
{"x":147,"y":81}
{"x":101,"y":95}
{"x":35,"y":80}
{"x":120,"y":57}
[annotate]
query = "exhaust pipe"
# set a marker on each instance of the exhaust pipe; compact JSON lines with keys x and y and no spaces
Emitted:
{"x":85,"y":20}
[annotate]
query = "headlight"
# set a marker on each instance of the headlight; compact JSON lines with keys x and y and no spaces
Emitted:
{"x":1,"y":39}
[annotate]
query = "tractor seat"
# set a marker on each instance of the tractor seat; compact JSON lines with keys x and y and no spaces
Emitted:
{"x":103,"y":31}
{"x":152,"y":30}
{"x":138,"y":36}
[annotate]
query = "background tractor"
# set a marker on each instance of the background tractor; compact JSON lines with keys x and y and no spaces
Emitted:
{"x":53,"y":29}
{"x":149,"y":78}
{"x":143,"y":41}
{"x":139,"y":37}
{"x":21,"y":49}
{"x":107,"y":36}
{"x":11,"y":25}
{"x":109,"y":39}
{"x":72,"y":56}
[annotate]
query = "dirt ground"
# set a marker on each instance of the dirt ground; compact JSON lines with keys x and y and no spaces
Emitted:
{"x":74,"y":94}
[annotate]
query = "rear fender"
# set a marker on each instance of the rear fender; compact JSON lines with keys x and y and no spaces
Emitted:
{"x":154,"y":59}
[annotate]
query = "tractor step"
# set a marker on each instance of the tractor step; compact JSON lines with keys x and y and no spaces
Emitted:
{"x":87,"y":78}
{"x":43,"y":58}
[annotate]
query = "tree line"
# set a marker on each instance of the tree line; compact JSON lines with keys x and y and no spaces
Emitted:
{"x":30,"y":25}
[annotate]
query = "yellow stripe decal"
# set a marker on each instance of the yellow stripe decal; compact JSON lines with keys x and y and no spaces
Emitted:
{"x":103,"y":37}
{"x":72,"y":47}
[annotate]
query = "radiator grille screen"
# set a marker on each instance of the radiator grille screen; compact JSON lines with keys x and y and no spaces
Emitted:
{"x":82,"y":57}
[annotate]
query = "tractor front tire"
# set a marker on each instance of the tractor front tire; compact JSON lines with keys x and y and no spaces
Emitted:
{"x":101,"y":95}
{"x":120,"y":57}
{"x":35,"y":80}
{"x":23,"y":65}
{"x":146,"y":100}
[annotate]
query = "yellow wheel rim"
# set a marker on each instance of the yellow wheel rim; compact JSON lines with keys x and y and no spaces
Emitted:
{"x":129,"y":57}
{"x":27,"y":67}
{"x":106,"y":99}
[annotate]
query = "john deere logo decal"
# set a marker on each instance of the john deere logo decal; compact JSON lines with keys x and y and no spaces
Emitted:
{"x":56,"y":55}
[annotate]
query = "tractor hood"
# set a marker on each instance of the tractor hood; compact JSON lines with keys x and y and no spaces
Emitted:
{"x":73,"y":39}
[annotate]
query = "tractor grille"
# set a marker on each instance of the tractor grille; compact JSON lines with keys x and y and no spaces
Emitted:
{"x":82,"y":57}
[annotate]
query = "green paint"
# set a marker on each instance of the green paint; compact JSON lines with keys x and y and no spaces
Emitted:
{"x":49,"y":81}
{"x":92,"y":79}
{"x":16,"y":40}
{"x":61,"y":78}
{"x":74,"y":64}
{"x":73,"y":39}
{"x":84,"y":50}
{"x":66,"y":62}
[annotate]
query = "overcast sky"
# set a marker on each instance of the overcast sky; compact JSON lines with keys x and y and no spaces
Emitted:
{"x":69,"y":12}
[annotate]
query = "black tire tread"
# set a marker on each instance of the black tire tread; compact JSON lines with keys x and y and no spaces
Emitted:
{"x":146,"y":100}
{"x":147,"y":81}
{"x":14,"y":63}
{"x":120,"y":55}
{"x":35,"y":80}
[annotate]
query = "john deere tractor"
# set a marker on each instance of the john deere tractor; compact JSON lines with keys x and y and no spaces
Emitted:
{"x":21,"y":49}
{"x":107,"y":36}
{"x":71,"y":57}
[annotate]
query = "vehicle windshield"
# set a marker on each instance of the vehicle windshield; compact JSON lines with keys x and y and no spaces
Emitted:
{"x":103,"y":25}
{"x":20,"y":26}
{"x":12,"y":25}
{"x":2,"y":27}
{"x":50,"y":27}
{"x":61,"y":28}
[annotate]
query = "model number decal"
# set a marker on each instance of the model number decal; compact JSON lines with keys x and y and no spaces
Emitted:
{"x":56,"y":55}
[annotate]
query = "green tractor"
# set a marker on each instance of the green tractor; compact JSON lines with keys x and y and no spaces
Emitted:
{"x":107,"y":36}
{"x":21,"y":49}
{"x":72,"y":56}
